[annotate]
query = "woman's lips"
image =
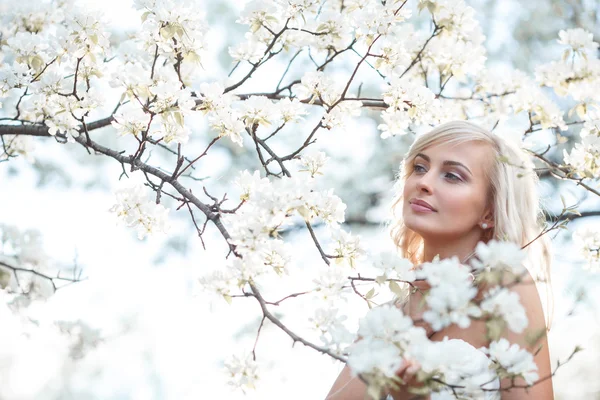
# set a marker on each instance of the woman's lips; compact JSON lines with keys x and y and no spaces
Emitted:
{"x":420,"y":208}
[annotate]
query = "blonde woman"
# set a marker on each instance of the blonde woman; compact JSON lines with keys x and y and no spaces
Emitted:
{"x":461,"y":184}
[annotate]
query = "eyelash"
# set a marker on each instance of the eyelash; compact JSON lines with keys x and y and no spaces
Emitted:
{"x":455,"y":178}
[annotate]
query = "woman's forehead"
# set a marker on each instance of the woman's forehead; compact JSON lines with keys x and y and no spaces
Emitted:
{"x":475,"y":155}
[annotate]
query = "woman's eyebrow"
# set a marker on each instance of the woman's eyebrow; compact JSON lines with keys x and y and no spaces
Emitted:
{"x":446,"y":162}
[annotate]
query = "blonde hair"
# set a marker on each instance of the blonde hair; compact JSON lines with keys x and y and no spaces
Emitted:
{"x":513,"y":195}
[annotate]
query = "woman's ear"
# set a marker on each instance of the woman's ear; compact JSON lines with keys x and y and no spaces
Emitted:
{"x":488,"y":219}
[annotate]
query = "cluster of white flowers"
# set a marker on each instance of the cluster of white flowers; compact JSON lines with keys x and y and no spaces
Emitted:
{"x":313,"y":163}
{"x":257,"y":110}
{"x":136,"y":210}
{"x":347,"y":248}
{"x":252,"y":50}
{"x":505,"y":304}
{"x":458,"y":50}
{"x":459,"y":364}
{"x":341,"y":115}
{"x":318,"y":85}
{"x":373,"y":18}
{"x":579,"y":40}
{"x":543,"y":111}
{"x":386,"y":337}
{"x":588,"y":242}
{"x":388,"y":340}
{"x":332,"y":332}
{"x":18,"y":145}
{"x":243,"y":372}
{"x":499,"y":256}
{"x":176,"y":28}
{"x":585,"y":156}
{"x":451,"y":294}
{"x":160,"y":95}
{"x":513,"y":361}
{"x":24,"y":249}
{"x":269,"y":207}
{"x":409,"y":102}
{"x":222,"y":118}
{"x":391,"y":266}
{"x":578,"y":72}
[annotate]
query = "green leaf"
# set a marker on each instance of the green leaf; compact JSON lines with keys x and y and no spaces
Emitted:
{"x":395,"y":288}
{"x":179,"y":118}
{"x":370,"y":293}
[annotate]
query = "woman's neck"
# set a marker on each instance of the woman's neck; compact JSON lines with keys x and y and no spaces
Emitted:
{"x":462,"y":249}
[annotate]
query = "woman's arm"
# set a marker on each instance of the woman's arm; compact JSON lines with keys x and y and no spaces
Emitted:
{"x":347,"y":387}
{"x":543,"y":390}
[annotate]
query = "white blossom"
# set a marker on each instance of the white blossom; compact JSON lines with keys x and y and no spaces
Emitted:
{"x":329,"y":283}
{"x":458,"y":363}
{"x":341,"y":114}
{"x":392,"y":266}
{"x":451,"y":294}
{"x":587,"y":241}
{"x":135,"y":209}
{"x":313,"y":163}
{"x":258,"y":110}
{"x":132,"y":121}
{"x":251,"y":183}
{"x":375,"y":355}
{"x":243,"y":372}
{"x":18,"y":145}
{"x":213,"y":97}
{"x":513,"y":360}
{"x":506,"y":304}
{"x":291,"y":110}
{"x":251,"y":50}
{"x":499,"y":255}
{"x":347,"y":248}
{"x":228,"y":122}
{"x":579,"y":40}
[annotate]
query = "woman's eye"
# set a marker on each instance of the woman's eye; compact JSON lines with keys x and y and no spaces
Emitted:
{"x":418,"y":168}
{"x":452,"y":176}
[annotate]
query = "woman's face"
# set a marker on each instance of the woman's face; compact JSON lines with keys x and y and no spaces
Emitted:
{"x":450,"y":183}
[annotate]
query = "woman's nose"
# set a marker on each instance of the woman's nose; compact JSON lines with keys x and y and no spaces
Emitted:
{"x":424,"y":184}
